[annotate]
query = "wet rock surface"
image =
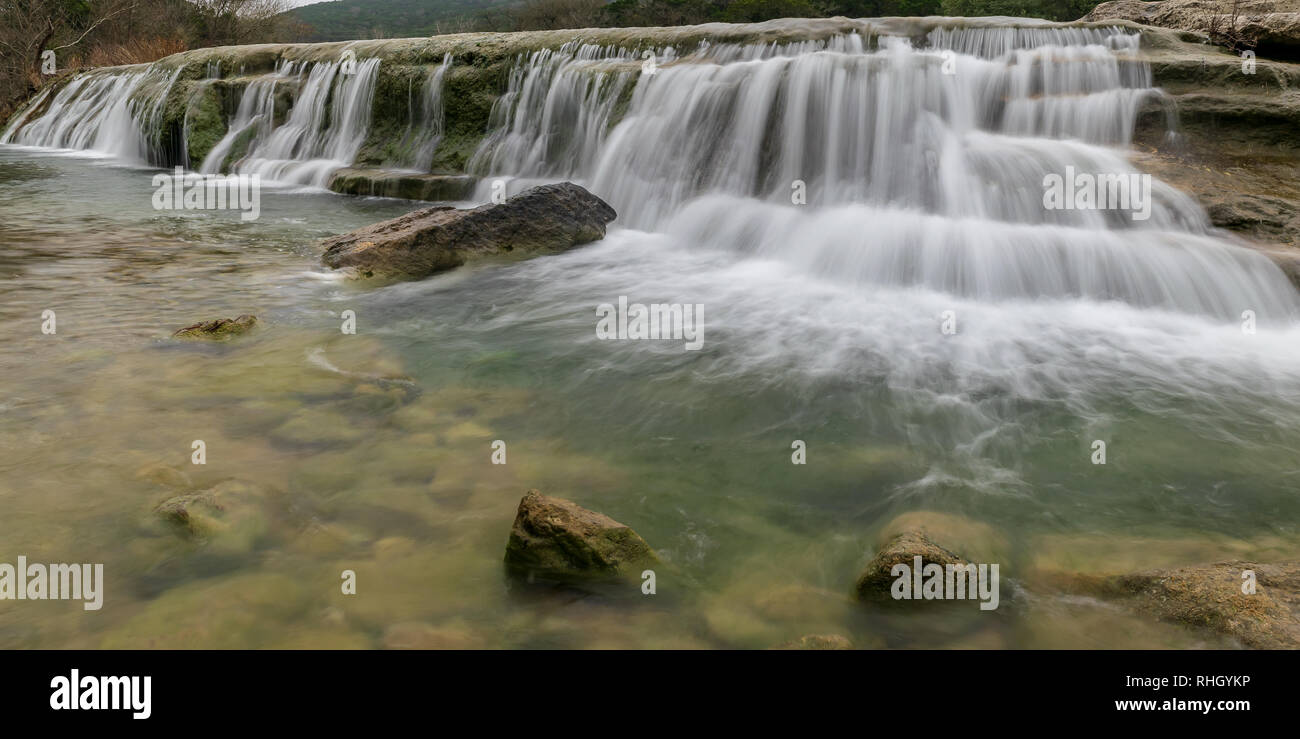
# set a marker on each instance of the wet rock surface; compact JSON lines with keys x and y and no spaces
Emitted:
{"x":876,"y":579}
{"x":557,"y":539}
{"x":548,"y":218}
{"x":1217,"y":597}
{"x":389,"y":184}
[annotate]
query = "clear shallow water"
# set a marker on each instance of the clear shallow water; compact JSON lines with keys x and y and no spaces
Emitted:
{"x":822,"y":324}
{"x":692,"y":449}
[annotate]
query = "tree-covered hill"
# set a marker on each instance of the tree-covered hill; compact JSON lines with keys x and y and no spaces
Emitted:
{"x":344,"y":20}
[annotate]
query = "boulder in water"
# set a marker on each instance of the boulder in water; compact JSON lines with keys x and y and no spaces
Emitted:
{"x":548,"y":218}
{"x":877,"y":578}
{"x":557,"y":539}
{"x":1260,"y":611}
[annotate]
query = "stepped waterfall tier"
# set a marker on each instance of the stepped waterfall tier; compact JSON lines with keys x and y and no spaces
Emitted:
{"x":766,"y":310}
{"x":920,"y":159}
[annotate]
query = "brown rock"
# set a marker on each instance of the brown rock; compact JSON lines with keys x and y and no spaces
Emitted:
{"x":876,"y":579}
{"x":556,"y":539}
{"x":548,"y":218}
{"x":1211,"y":596}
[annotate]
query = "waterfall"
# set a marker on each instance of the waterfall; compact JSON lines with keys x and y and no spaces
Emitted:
{"x":114,"y":112}
{"x":553,"y":118}
{"x":885,"y":162}
{"x":253,"y":120}
{"x":425,"y":121}
{"x":118,"y":112}
{"x":325,"y":129}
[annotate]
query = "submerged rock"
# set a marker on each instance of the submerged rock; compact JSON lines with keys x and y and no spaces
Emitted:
{"x":217,"y":330}
{"x":1212,"y":596}
{"x":557,"y":539}
{"x":818,"y":642}
{"x":230,"y":516}
{"x":548,"y":218}
{"x":876,"y":579}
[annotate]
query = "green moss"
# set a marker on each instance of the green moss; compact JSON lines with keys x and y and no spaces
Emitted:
{"x":205,"y":120}
{"x":468,"y":96}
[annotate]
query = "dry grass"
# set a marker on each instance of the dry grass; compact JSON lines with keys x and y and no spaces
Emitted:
{"x":135,"y":51}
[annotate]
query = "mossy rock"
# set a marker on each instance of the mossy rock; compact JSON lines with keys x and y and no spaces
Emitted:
{"x":877,"y":577}
{"x":220,"y":329}
{"x":206,"y":122}
{"x":556,"y":539}
{"x":1214,"y":597}
{"x":232,"y":516}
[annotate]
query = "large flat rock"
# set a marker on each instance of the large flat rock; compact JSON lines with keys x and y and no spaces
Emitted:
{"x":548,"y":218}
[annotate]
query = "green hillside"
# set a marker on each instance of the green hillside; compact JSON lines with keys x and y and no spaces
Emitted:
{"x":344,"y":20}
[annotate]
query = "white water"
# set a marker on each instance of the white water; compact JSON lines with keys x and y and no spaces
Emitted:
{"x":920,"y":167}
{"x":254,"y":118}
{"x":924,"y":196}
{"x":113,"y":112}
{"x":861,"y":160}
{"x":425,"y":120}
{"x":325,"y":129}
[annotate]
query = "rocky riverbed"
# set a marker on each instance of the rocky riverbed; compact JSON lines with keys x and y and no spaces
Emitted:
{"x":487,"y":471}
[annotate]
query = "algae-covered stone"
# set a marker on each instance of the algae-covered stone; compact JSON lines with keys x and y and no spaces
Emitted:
{"x":206,"y":122}
{"x":230,"y":516}
{"x":217,"y":330}
{"x":975,"y":540}
{"x":1262,"y":611}
{"x":877,"y":578}
{"x":556,"y":539}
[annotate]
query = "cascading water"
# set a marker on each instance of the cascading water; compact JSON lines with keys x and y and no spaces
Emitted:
{"x":861,"y":220}
{"x":425,"y":121}
{"x":875,"y":160}
{"x":118,"y":112}
{"x":112,"y":112}
{"x":918,"y":166}
{"x":554,"y":117}
{"x":253,"y":121}
{"x":325,"y":129}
